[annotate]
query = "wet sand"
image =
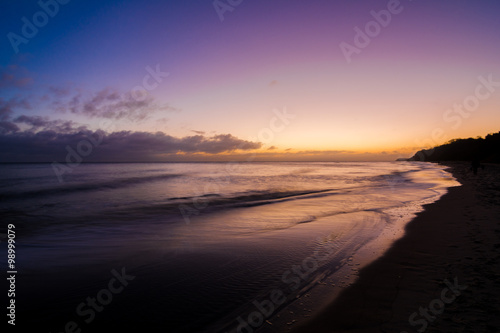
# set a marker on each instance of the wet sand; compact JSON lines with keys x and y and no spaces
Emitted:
{"x":442,"y":276}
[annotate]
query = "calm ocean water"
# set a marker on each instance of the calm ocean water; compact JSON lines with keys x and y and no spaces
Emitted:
{"x":206,"y":242}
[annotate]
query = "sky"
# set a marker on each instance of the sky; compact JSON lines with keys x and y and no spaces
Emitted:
{"x":286,"y":80}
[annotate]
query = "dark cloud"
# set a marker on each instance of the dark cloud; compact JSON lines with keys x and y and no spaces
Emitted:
{"x":107,"y":103}
{"x":8,"y":127}
{"x":34,"y":121}
{"x":60,"y":91}
{"x":14,"y":76}
{"x":198,"y":132}
{"x":7,"y":107}
{"x":44,"y":123}
{"x":159,"y":143}
{"x":50,"y":145}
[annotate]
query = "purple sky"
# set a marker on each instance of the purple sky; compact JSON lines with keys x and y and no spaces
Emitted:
{"x":215,"y":83}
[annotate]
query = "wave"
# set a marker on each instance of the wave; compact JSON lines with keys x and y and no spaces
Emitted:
{"x":215,"y":202}
{"x":85,"y":187}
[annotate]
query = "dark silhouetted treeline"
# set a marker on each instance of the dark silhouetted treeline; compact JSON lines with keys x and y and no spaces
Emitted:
{"x":480,"y":149}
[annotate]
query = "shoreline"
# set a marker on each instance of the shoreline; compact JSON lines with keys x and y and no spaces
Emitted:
{"x":452,"y":244}
{"x":340,"y":275}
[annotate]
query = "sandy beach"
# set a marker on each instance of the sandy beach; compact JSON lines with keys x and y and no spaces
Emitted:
{"x":442,"y":276}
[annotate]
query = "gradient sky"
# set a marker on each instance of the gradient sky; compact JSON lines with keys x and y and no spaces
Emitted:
{"x":77,"y":77}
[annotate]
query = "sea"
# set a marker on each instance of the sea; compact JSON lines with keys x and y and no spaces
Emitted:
{"x":200,"y":247}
